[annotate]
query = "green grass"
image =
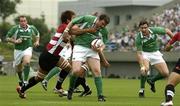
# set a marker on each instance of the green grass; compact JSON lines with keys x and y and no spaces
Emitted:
{"x":119,"y":92}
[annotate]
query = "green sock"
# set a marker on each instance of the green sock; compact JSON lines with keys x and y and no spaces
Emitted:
{"x":72,"y":82}
{"x":53,"y":72}
{"x":26,"y":72}
{"x":98,"y":83}
{"x":157,"y":77}
{"x":20,"y":76}
{"x":19,"y":73}
{"x":143,"y":81}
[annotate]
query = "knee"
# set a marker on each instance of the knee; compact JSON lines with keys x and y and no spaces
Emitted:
{"x":26,"y":64}
{"x":97,"y":73}
{"x":166,"y":74}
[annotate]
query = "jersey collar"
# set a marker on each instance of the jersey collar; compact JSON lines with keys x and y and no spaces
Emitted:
{"x":94,"y":22}
{"x":28,"y":26}
{"x":149,"y":31}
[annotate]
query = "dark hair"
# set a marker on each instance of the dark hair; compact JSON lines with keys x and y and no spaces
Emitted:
{"x":21,"y":16}
{"x":66,"y":15}
{"x":105,"y":18}
{"x":142,"y":22}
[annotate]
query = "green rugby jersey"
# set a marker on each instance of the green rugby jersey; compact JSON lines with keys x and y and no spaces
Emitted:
{"x":149,"y":44}
{"x":85,"y":39}
{"x":25,"y":34}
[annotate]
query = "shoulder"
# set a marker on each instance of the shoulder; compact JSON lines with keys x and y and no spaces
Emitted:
{"x":61,"y":28}
{"x":90,"y":17}
{"x":15,"y":27}
{"x":138,"y":35}
{"x":31,"y":26}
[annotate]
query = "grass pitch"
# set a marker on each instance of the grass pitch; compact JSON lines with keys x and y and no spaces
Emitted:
{"x":119,"y":92}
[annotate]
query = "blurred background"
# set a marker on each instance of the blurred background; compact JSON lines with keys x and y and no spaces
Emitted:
{"x":124,"y":15}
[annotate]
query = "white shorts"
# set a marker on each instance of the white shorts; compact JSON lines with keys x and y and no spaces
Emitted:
{"x":19,"y":54}
{"x":81,"y":53}
{"x":153,"y":57}
{"x":66,"y":53}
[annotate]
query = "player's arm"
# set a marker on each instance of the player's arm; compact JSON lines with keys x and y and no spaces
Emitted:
{"x":75,"y":30}
{"x":11,"y":36}
{"x":103,"y":59}
{"x":169,"y":32}
{"x":37,"y":36}
{"x":140,"y":56}
{"x":169,"y":46}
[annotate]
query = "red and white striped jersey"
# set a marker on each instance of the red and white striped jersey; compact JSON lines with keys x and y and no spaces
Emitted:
{"x":56,"y":44}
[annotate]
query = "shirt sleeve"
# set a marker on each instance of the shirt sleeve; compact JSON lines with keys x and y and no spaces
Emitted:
{"x":11,"y":32}
{"x":78,"y":20}
{"x":35,"y":31}
{"x":138,"y":42}
{"x":158,"y":30}
{"x":105,"y":36}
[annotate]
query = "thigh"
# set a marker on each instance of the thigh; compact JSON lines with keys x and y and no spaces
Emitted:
{"x":27,"y":54}
{"x":47,"y":61}
{"x":18,"y":56}
{"x":162,"y":68}
{"x":94,"y":65}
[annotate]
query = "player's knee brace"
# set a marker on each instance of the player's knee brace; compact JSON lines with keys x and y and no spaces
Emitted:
{"x":169,"y":91}
{"x":65,"y":64}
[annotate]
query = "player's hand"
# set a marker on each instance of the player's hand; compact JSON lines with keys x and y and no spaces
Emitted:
{"x":168,"y":47}
{"x":18,"y":41}
{"x":143,"y":70}
{"x":66,"y":37}
{"x":95,"y":48}
{"x":36,"y":44}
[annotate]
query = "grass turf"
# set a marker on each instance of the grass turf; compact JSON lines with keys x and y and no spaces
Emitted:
{"x":119,"y":92}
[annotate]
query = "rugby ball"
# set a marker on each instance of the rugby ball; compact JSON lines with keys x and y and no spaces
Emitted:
{"x":97,"y":43}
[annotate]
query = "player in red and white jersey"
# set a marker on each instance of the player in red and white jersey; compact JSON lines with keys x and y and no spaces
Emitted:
{"x":174,"y":77}
{"x":53,"y":47}
{"x":50,"y":57}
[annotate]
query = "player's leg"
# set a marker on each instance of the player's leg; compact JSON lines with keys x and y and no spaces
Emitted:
{"x":26,"y":68}
{"x":143,"y":78}
{"x":53,"y":72}
{"x":66,"y":68}
{"x":82,"y":81}
{"x":94,"y":65}
{"x":18,"y":55}
{"x":31,"y":82}
{"x":18,"y":69}
{"x":173,"y":80}
{"x":27,"y":54}
{"x":58,"y":88}
{"x":163,"y":73}
{"x":76,"y":67}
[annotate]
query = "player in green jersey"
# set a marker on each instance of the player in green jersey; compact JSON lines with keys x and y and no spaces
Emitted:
{"x":83,"y":52}
{"x":148,"y":53}
{"x":22,"y":36}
